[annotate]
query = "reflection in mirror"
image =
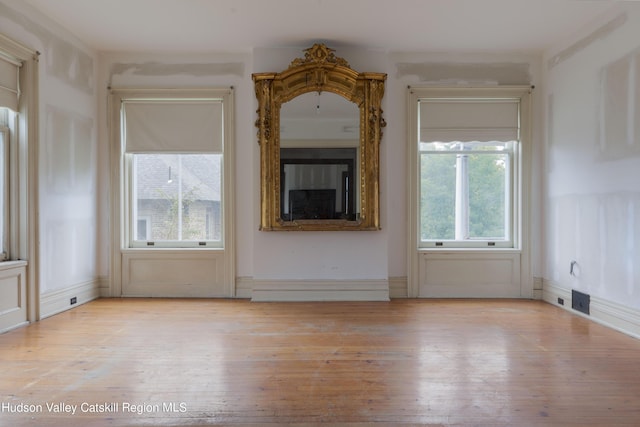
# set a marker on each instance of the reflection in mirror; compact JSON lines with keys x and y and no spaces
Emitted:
{"x":319,"y":157}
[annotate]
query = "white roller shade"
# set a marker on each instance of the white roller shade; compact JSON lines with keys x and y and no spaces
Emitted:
{"x":447,"y":120}
{"x":173,"y":126}
{"x":9,"y":82}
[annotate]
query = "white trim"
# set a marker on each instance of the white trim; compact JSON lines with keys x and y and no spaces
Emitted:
{"x":25,"y":226}
{"x":13,"y":288}
{"x":103,"y":287}
{"x":398,"y":287}
{"x":244,"y":287}
{"x":7,"y":265}
{"x":116,"y":193}
{"x":537,"y":288}
{"x":57,"y":301}
{"x":229,"y":193}
{"x":166,"y":273}
{"x":320,"y":290}
{"x":413,"y":197}
{"x":462,"y":274}
{"x":607,"y":313}
{"x":119,"y":196}
{"x":6,"y":234}
{"x":16,"y":50}
{"x":12,"y":327}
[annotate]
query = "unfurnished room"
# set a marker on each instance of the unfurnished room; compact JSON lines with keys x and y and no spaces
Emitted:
{"x":319,"y":212}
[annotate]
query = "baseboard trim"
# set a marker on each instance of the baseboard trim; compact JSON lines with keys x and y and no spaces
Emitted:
{"x":299,"y":290}
{"x":12,"y":327}
{"x":398,"y":287}
{"x":604,"y":312}
{"x":318,"y":290}
{"x":537,"y":288}
{"x":57,"y":301}
{"x":244,"y":287}
{"x":104,"y":287}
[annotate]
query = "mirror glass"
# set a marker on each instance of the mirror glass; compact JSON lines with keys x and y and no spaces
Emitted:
{"x":319,"y":158}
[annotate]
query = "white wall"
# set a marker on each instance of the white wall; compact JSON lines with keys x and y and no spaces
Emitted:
{"x":309,"y":256}
{"x":383,"y":254}
{"x":75,"y":176}
{"x":349,"y":256}
{"x":67,"y":156}
{"x":592,"y":195}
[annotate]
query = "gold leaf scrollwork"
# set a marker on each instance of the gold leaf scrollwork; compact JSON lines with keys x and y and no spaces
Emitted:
{"x":263,"y":123}
{"x":322,"y":71}
{"x":319,"y":53}
{"x":373,"y":120}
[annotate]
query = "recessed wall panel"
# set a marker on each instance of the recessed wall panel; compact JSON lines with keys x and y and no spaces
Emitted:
{"x":470,"y":275}
{"x":13,"y":292}
{"x":174,"y":274}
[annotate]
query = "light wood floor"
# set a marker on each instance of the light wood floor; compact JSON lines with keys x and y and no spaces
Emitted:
{"x":233,"y":362}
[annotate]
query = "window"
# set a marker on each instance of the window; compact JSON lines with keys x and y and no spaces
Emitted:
{"x":173,"y":196}
{"x":465,"y":191}
{"x":9,"y":180}
{"x":174,"y":162}
{"x":468,"y":171}
{"x":10,"y":67}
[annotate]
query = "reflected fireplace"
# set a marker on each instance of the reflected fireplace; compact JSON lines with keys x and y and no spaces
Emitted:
{"x":317,"y":183}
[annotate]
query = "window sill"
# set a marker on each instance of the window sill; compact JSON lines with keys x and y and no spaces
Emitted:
{"x":6,"y":265}
{"x":177,"y":250}
{"x":473,"y":250}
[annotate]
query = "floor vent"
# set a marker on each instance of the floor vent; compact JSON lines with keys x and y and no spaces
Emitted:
{"x":580,"y":301}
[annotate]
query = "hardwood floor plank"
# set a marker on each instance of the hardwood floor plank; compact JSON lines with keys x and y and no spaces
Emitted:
{"x":165,"y":362}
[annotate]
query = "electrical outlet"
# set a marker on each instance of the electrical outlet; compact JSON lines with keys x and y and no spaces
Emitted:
{"x":73,"y":300}
{"x":561,"y":301}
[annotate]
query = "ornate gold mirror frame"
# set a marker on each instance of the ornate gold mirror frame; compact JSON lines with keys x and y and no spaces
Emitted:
{"x":320,"y":70}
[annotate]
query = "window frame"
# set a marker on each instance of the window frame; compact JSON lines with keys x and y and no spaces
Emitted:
{"x":5,"y":192}
{"x":121,"y":167}
{"x":519,"y":186}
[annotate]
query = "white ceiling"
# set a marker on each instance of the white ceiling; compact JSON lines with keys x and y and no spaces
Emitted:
{"x":394,"y":25}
